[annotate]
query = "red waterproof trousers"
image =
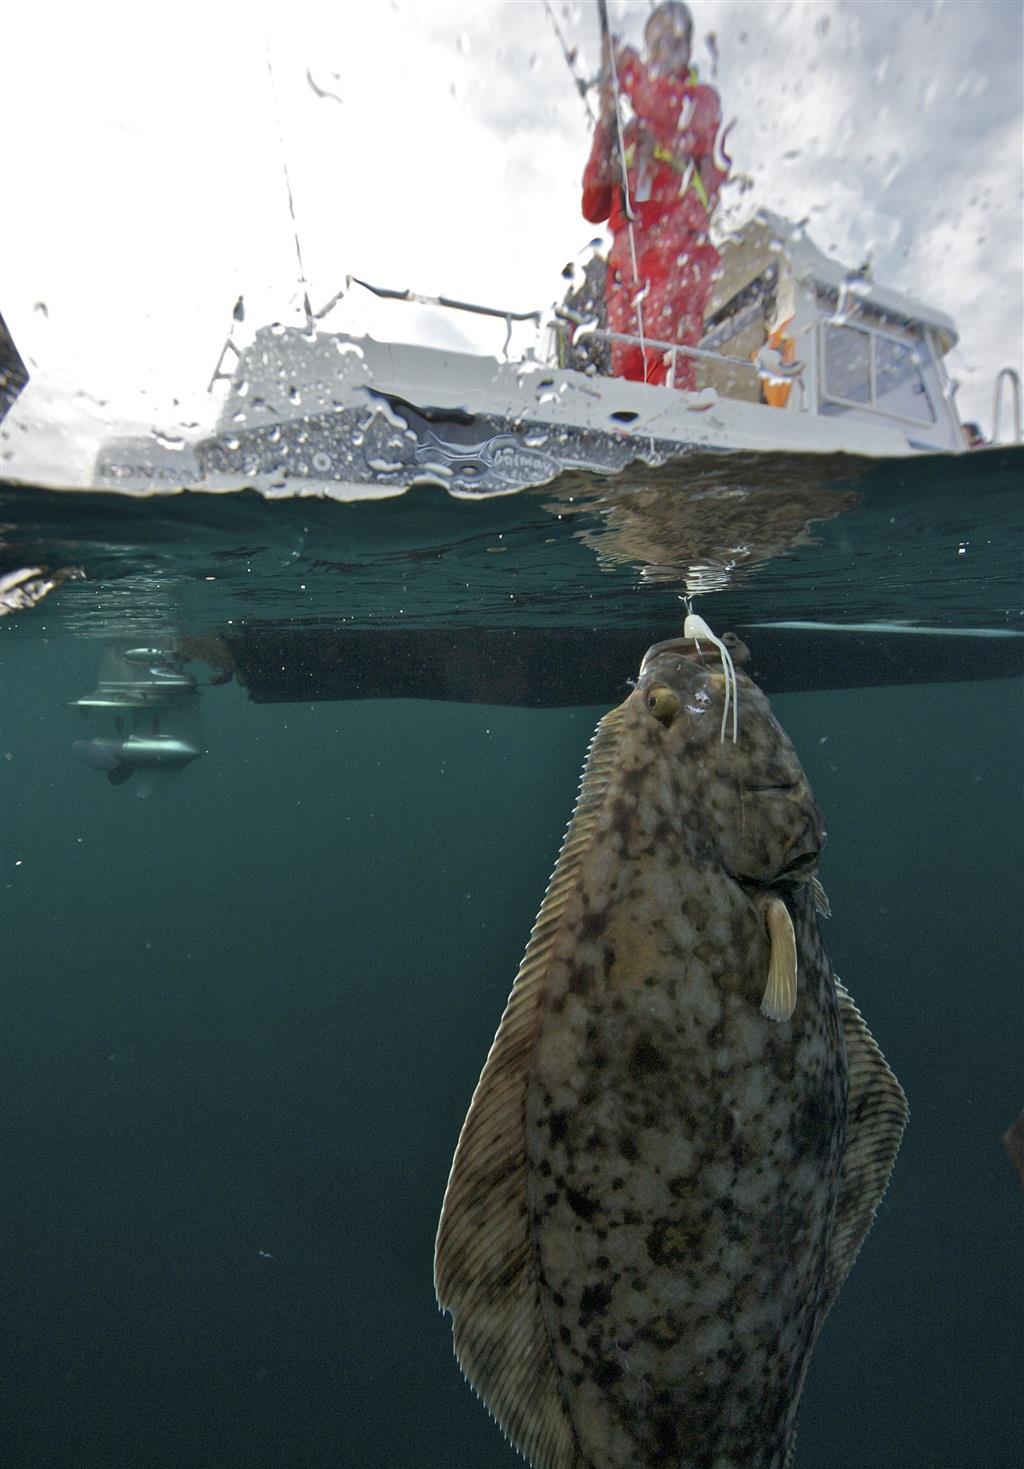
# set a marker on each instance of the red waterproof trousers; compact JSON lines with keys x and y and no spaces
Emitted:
{"x":662,"y":265}
{"x":665,"y":302}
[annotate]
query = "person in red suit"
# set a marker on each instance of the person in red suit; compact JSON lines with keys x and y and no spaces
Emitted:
{"x":660,"y":280}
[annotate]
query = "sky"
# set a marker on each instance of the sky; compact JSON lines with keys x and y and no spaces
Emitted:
{"x":438,"y":145}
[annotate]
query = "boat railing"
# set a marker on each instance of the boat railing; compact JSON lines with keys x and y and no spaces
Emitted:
{"x":386,"y":293}
{"x":219,"y":375}
{"x":1011,"y":376}
{"x":673,"y":349}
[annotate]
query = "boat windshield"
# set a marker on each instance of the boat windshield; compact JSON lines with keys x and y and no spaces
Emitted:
{"x":867,"y":369}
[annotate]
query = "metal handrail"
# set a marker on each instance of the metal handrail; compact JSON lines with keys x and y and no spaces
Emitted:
{"x":391,"y":295}
{"x":561,"y":313}
{"x":674,"y":348}
{"x":388,"y":294}
{"x":508,"y":317}
{"x":1013,"y":378}
{"x":219,"y":375}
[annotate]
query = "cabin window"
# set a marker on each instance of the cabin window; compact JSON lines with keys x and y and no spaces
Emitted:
{"x":848,"y":364}
{"x":899,"y":386}
{"x":864,"y":368}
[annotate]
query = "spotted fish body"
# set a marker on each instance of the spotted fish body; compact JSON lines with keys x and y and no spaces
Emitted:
{"x":659,"y":1189}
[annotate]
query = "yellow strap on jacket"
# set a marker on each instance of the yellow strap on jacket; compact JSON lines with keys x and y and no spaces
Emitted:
{"x":661,"y":154}
{"x":695,"y":182}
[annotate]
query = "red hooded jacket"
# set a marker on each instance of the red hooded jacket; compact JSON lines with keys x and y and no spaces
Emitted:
{"x":672,"y":162}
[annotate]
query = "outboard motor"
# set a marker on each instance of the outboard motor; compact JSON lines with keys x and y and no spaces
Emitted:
{"x":153,"y":710}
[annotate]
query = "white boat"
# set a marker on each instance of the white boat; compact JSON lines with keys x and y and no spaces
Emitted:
{"x":800,"y":355}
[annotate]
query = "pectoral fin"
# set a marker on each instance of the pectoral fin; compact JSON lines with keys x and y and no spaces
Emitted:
{"x":779,"y":999}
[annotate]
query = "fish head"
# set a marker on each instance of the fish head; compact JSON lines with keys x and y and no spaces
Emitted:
{"x":756,"y":811}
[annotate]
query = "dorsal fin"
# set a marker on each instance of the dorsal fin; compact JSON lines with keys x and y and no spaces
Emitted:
{"x":877,"y":1114}
{"x":485,"y":1269}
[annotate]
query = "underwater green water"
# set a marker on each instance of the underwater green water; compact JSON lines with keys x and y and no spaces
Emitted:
{"x":243,"y":1017}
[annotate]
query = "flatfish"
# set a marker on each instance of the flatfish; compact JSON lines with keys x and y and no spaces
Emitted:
{"x":683,"y":1127}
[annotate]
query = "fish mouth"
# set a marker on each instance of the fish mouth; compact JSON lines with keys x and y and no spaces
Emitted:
{"x":799,"y":870}
{"x":801,"y":867}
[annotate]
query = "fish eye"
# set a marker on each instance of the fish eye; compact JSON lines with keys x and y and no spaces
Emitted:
{"x":663,"y":703}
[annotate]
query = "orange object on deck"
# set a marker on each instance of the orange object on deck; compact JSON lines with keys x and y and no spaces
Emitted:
{"x":776,"y":393}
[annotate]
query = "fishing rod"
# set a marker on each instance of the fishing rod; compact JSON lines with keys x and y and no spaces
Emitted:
{"x":608,"y":53}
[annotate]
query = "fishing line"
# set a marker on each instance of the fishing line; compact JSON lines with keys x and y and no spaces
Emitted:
{"x":696,"y":628}
{"x":284,"y":162}
{"x":570,"y":61}
{"x":602,"y":7}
